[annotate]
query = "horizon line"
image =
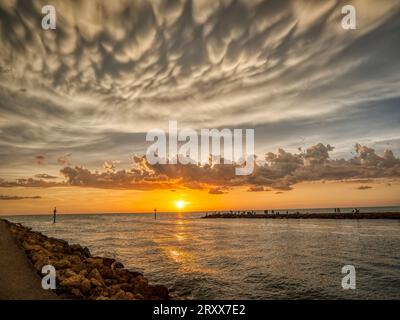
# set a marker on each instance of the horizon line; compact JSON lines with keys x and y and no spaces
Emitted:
{"x":185,"y":212}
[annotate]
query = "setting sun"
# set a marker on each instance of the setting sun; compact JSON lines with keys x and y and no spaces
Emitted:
{"x":180,"y":204}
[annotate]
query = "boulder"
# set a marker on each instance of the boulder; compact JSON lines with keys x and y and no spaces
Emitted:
{"x":96,"y":283}
{"x":140,"y":285}
{"x":77,"y":268}
{"x":86,"y":252}
{"x":123,"y":275}
{"x":120,"y":295}
{"x":85,"y":285}
{"x":31,"y":247}
{"x":129,"y":296}
{"x":95,"y":262}
{"x":73,"y":281}
{"x":62,"y":264}
{"x":117,"y":265}
{"x":78,"y":249}
{"x":127,"y":287}
{"x":160,"y":292}
{"x":135,"y":274}
{"x":138,"y":296}
{"x":114,"y":288}
{"x":107,"y":273}
{"x":76,"y":292}
{"x":37,"y":256}
{"x":48,"y":245}
{"x":108,"y":262}
{"x":74,"y":259}
{"x":95,"y":274}
{"x":97,"y":292}
{"x":69,"y":273}
{"x":59,"y":242}
{"x":108,"y":282}
{"x":75,"y":248}
{"x":83,"y":272}
{"x":41,"y":261}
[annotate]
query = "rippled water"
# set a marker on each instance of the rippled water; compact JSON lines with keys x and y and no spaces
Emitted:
{"x":242,"y":258}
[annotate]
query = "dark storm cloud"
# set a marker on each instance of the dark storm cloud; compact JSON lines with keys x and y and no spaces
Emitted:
{"x":280,"y":171}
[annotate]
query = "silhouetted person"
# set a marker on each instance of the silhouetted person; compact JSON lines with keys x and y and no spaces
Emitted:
{"x":54,"y":214}
{"x":155,"y":214}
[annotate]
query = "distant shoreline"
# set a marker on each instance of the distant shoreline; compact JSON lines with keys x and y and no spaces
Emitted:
{"x":298,"y":215}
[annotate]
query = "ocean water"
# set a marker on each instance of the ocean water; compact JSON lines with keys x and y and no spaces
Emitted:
{"x":242,"y":258}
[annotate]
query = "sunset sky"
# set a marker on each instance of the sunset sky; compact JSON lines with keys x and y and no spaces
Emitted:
{"x":76,"y":103}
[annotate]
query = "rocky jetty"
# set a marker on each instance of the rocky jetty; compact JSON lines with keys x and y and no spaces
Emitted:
{"x":81,"y":275}
{"x":298,"y":215}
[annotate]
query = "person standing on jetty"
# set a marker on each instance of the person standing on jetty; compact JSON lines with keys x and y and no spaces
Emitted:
{"x":54,"y":214}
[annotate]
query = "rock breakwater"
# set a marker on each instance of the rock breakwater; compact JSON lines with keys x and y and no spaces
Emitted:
{"x":79,"y":275}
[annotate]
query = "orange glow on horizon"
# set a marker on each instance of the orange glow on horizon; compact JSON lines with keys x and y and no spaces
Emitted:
{"x":304,"y":195}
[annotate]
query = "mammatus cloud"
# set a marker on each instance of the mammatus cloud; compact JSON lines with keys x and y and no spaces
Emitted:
{"x":204,"y":61}
{"x":17,"y":197}
{"x":280,"y":171}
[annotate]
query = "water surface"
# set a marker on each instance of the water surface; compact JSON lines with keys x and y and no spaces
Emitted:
{"x":242,"y":258}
